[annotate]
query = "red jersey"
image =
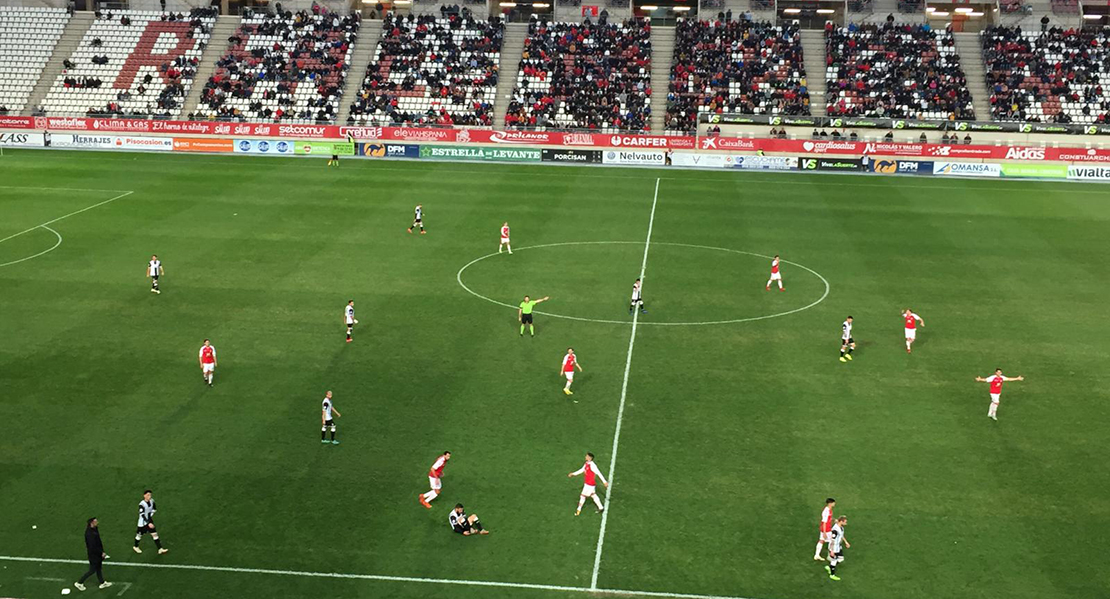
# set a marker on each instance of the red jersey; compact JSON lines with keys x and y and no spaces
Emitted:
{"x":505,"y":232}
{"x":591,"y":478}
{"x":207,"y":354}
{"x":826,"y":519}
{"x":911,"y":320}
{"x":774,"y":266}
{"x":568,"y":363}
{"x":437,"y":468}
{"x":996,"y":383}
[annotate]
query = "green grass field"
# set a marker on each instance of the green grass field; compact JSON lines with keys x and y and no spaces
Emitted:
{"x":731,"y":436}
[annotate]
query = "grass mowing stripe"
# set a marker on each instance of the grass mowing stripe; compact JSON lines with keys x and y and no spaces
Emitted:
{"x":376,"y":577}
{"x":624,"y":394}
{"x":74,"y":213}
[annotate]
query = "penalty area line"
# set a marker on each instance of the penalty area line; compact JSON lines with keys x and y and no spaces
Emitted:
{"x":74,"y":213}
{"x":375,"y":577}
{"x":624,"y":395}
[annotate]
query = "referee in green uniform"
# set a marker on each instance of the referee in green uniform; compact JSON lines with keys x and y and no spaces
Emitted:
{"x":524,"y":314}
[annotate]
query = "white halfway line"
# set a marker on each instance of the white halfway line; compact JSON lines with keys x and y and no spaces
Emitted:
{"x":75,"y":212}
{"x":377,"y":577}
{"x":624,"y":394}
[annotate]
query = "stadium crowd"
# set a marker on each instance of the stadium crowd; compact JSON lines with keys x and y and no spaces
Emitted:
{"x":735,"y":66}
{"x":895,"y":71}
{"x":590,"y":75}
{"x":432,"y":71}
{"x":1057,"y":75}
{"x":271,"y":61}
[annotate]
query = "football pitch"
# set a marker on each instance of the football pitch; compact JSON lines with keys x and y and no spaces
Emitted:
{"x":723,"y":414}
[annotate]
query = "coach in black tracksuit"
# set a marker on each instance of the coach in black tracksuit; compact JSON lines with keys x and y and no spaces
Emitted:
{"x":96,"y":554}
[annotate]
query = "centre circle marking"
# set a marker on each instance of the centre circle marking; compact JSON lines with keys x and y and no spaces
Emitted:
{"x":458,"y":277}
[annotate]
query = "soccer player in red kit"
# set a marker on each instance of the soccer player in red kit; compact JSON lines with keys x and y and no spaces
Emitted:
{"x":207,"y":359}
{"x":592,"y":474}
{"x":775,"y":274}
{"x":504,"y":239}
{"x":911,"y":327}
{"x":570,"y":362}
{"x":996,"y":381}
{"x":435,"y":473}
{"x":825,"y":531}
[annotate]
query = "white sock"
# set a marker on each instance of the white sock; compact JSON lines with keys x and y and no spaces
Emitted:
{"x":907,"y":343}
{"x":568,"y":385}
{"x":780,"y":283}
{"x":993,"y":409}
{"x":768,"y":282}
{"x":429,"y":496}
{"x":581,"y":500}
{"x":597,"y":502}
{"x":510,"y":248}
{"x":817,"y":553}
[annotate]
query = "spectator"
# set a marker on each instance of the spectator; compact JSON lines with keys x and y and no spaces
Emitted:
{"x":815,"y":134}
{"x":1044,"y":23}
{"x":853,"y":137}
{"x":967,"y":139}
{"x":924,"y":138}
{"x":889,"y":136}
{"x":895,"y":71}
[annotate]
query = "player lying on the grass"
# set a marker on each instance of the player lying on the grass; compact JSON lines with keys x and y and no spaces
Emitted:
{"x":847,"y":343}
{"x":637,"y":298}
{"x":435,"y":474}
{"x":418,"y":220}
{"x":589,"y":486}
{"x":570,"y":362}
{"x":154,"y":270}
{"x":996,"y":381}
{"x":837,"y":544}
{"x":504,"y":239}
{"x":911,"y":327}
{"x":463,"y":524}
{"x":207,"y":359}
{"x":349,"y":318}
{"x":775,"y":274}
{"x":524,"y":314}
{"x":824,"y":528}
{"x":326,"y":420}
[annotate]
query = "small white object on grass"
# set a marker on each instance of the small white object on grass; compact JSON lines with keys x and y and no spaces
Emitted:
{"x":65,"y":591}
{"x":356,"y":321}
{"x":34,"y":526}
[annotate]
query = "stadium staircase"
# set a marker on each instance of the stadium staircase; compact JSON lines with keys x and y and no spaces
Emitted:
{"x":971,"y":60}
{"x":75,"y":30}
{"x":662,"y":59}
{"x":813,"y":57}
{"x":224,"y":28}
{"x":366,"y":49}
{"x":512,"y":47}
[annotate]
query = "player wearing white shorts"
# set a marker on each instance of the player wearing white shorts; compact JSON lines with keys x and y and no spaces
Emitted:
{"x":911,"y":327}
{"x":435,"y":473}
{"x":996,"y":381}
{"x":847,"y":342}
{"x":154,"y":270}
{"x":349,"y":318}
{"x":637,"y":298}
{"x":825,"y":528}
{"x":504,"y":239}
{"x":775,"y":274}
{"x":570,"y":362}
{"x":207,"y":360}
{"x":589,"y":487}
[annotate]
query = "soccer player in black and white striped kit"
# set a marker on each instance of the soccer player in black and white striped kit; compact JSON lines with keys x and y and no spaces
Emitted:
{"x":637,"y":298}
{"x":154,"y":270}
{"x":326,"y":421}
{"x":146,"y":523}
{"x":418,"y":220}
{"x":349,"y":318}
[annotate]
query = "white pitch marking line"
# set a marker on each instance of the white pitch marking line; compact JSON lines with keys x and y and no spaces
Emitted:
{"x":59,"y":235}
{"x":45,"y":579}
{"x":624,"y":395}
{"x":75,"y":212}
{"x":376,"y":577}
{"x":61,"y":188}
{"x":828,"y":287}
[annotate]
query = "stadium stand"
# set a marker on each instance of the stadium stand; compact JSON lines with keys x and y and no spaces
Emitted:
{"x":1056,"y":76}
{"x":895,"y":71}
{"x":584,"y":76}
{"x":132,"y":63}
{"x":27,"y":39}
{"x":745,"y":67}
{"x":286,"y":67}
{"x":432,"y":70}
